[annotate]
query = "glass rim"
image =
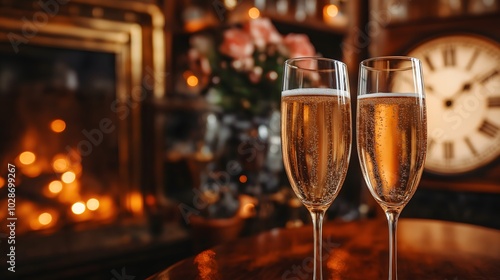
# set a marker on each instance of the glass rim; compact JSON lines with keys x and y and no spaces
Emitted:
{"x":364,"y":63}
{"x":288,"y":63}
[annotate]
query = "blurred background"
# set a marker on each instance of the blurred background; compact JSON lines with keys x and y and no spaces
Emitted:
{"x":145,"y":131}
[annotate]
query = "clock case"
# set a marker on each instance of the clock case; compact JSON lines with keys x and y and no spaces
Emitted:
{"x":480,"y":186}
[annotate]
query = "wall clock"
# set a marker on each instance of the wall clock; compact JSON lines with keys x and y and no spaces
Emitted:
{"x":460,"y":56}
{"x":461,"y":65}
{"x":462,"y":80}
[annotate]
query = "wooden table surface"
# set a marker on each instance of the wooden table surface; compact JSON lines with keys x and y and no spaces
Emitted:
{"x":427,"y":249}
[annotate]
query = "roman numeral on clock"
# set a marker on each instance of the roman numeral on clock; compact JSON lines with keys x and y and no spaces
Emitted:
{"x":429,"y":62}
{"x":472,"y":60}
{"x":494,"y":101}
{"x":489,"y":76}
{"x":470,"y":146}
{"x":488,"y":129}
{"x":449,"y":56}
{"x":448,"y":150}
{"x":430,"y":144}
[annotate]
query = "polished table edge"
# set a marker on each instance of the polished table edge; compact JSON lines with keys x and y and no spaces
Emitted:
{"x":405,"y":227}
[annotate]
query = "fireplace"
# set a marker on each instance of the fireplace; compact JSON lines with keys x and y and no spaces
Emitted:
{"x":66,"y":156}
{"x":74,"y":78}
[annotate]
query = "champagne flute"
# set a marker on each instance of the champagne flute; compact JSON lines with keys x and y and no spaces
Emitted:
{"x":316,"y":135}
{"x":391,"y":135}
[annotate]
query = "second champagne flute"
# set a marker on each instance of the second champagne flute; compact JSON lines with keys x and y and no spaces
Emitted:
{"x":391,"y":135}
{"x":316,"y":135}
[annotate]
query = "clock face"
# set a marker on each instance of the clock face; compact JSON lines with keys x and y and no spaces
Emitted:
{"x":462,"y":86}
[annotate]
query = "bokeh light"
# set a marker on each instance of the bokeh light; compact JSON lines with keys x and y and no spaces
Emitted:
{"x":192,"y":81}
{"x":55,"y":186}
{"x":45,"y":218}
{"x":58,"y":125}
{"x":27,"y":158}
{"x":230,"y":4}
{"x":78,"y":208}
{"x":92,"y":204}
{"x":68,"y":177}
{"x":60,"y":163}
{"x":331,"y":10}
{"x":243,"y":179}
{"x":253,"y":13}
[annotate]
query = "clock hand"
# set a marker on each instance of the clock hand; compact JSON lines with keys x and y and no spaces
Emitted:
{"x":481,"y":78}
{"x":464,"y":89}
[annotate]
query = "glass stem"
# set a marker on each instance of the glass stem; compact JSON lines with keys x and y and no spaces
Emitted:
{"x":317,"y":220}
{"x":392,"y":219}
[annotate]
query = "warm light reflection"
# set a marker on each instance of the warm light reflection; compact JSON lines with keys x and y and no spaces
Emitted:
{"x":58,"y":125}
{"x":206,"y":264}
{"x":60,"y":163}
{"x":92,"y":204}
{"x":192,"y":81}
{"x":247,"y":210}
{"x":337,"y":261}
{"x":253,"y":13}
{"x":45,"y":218}
{"x":27,"y":158}
{"x":55,"y":186}
{"x":78,"y":208}
{"x":330,"y":10}
{"x":387,"y":121}
{"x":68,"y":177}
{"x":2,"y":182}
{"x":247,"y":206}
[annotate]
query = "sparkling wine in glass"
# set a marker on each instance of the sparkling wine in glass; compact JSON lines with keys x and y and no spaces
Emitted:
{"x":391,"y":135}
{"x":316,"y":135}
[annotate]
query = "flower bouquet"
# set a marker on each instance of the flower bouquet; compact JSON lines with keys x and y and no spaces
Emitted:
{"x":242,"y":69}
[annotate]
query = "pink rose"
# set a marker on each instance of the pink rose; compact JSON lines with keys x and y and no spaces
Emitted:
{"x":236,"y":44}
{"x":263,"y":32}
{"x":299,"y":45}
